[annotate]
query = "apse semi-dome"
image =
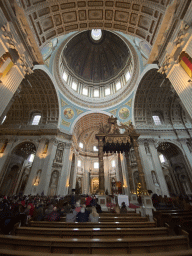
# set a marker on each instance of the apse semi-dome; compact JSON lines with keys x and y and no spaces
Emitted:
{"x":96,"y":68}
{"x":96,"y":57}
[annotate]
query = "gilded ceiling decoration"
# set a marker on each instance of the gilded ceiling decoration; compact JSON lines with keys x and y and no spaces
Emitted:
{"x":50,"y":19}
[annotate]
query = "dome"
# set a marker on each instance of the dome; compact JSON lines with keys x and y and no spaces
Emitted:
{"x":96,"y":57}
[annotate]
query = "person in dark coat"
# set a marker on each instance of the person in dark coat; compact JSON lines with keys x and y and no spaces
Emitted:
{"x":83,"y":215}
{"x":123,"y":208}
{"x":54,"y":216}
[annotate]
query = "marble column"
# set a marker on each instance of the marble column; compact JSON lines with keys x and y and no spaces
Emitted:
{"x":107,"y":163}
{"x":125,"y":175}
{"x":65,"y":171}
{"x":75,"y":173}
{"x":101,"y":167}
{"x":179,"y":79}
{"x":158,"y":169}
{"x":139,"y":166}
{"x":147,"y":162}
{"x":5,"y":158}
{"x":129,"y":173}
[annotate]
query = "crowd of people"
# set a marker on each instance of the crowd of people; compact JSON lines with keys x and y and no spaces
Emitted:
{"x":22,"y":209}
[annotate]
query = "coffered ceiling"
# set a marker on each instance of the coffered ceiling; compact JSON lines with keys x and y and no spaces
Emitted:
{"x":49,"y":19}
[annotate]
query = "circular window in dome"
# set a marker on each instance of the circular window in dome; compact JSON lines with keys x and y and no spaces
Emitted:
{"x":96,"y":34}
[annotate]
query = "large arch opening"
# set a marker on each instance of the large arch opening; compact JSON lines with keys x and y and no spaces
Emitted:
{"x":18,"y":169}
{"x":85,"y":157}
{"x":157,"y":105}
{"x":175,"y":169}
{"x":36,"y":97}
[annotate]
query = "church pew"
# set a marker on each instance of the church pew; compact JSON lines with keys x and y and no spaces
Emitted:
{"x":6,"y":252}
{"x":178,"y":220}
{"x":59,"y":224}
{"x":161,"y":215}
{"x":119,"y":218}
{"x":95,"y":245}
{"x":91,"y":232}
{"x":166,"y":217}
{"x":106,"y":214}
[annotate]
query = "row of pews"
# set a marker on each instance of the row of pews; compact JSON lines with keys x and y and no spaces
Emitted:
{"x":114,"y":234}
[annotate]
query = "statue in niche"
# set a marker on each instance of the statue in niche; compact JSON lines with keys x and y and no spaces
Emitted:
{"x":154,"y":177}
{"x":37,"y":178}
{"x":58,"y":156}
{"x":132,"y":156}
{"x":53,"y":183}
{"x":59,"y":153}
{"x":146,"y":145}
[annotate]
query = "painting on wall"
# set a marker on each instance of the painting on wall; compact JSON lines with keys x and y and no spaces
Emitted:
{"x":68,"y":113}
{"x":124,"y":113}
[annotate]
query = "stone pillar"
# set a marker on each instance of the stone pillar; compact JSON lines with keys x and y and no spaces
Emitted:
{"x":120,"y":169}
{"x":65,"y":171}
{"x":179,"y":79}
{"x":5,"y":159}
{"x":44,"y":163}
{"x":158,"y":169}
{"x":101,"y":167}
{"x":125,"y":175}
{"x":75,"y":173}
{"x":106,"y":173}
{"x":131,"y":187}
{"x":148,"y":164}
{"x":139,"y":166}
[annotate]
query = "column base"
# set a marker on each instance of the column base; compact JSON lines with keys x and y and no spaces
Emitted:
{"x":147,"y":207}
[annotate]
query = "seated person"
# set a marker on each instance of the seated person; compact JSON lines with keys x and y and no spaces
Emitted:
{"x":117,"y":208}
{"x":54,"y":216}
{"x":71,"y":216}
{"x":98,"y":207}
{"x":94,"y":216}
{"x":78,"y":207}
{"x":123,"y":208}
{"x":83,"y":215}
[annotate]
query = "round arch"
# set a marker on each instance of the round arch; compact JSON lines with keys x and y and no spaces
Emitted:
{"x":35,"y":97}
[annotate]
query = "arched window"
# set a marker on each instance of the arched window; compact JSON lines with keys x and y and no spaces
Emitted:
{"x":36,"y":119}
{"x":3,"y":119}
{"x":156,"y":119}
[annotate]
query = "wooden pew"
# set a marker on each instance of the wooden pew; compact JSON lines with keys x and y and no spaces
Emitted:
{"x":95,"y":245}
{"x":5,"y":252}
{"x":161,"y":215}
{"x":49,"y":224}
{"x":91,"y":232}
{"x":167,"y":217}
{"x":119,"y":218}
